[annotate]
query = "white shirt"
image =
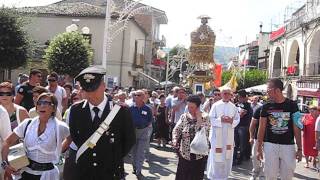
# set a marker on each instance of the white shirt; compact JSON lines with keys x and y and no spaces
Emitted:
{"x":5,"y":126}
{"x":101,"y":107}
{"x":317,"y":127}
{"x":72,"y":145}
{"x":221,"y":108}
{"x":45,"y":148}
{"x":60,"y":94}
{"x":255,"y":107}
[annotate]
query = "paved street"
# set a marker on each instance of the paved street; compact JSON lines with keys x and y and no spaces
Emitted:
{"x":163,"y":164}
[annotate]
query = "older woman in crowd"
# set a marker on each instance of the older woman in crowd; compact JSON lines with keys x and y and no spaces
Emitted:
{"x":16,"y":113}
{"x":308,"y":138}
{"x":190,"y":166}
{"x":43,"y":136}
{"x":36,"y":91}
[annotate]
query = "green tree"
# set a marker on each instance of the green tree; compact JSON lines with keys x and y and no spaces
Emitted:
{"x":68,"y":53}
{"x":14,"y":42}
{"x":251,"y":78}
{"x":226,"y":76}
{"x":175,"y":49}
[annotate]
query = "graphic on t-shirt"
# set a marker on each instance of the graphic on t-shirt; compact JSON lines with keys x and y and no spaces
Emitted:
{"x":279,"y":122}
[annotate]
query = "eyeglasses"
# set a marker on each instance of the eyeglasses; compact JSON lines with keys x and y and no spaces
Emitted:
{"x":138,"y":95}
{"x":39,"y":76}
{"x":226,"y":93}
{"x":51,"y":80}
{"x":44,"y":103}
{"x":5,"y":93}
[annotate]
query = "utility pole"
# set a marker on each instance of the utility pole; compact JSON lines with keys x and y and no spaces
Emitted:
{"x":106,"y":35}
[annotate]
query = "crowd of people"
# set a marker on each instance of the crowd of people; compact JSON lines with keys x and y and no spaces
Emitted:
{"x":94,"y":129}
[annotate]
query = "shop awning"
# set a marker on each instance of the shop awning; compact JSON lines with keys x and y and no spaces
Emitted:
{"x":278,"y":33}
{"x":260,"y":88}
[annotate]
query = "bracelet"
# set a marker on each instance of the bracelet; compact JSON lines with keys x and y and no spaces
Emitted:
{"x":4,"y":164}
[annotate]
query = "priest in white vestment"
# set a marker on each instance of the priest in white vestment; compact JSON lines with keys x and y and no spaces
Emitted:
{"x":224,"y":117}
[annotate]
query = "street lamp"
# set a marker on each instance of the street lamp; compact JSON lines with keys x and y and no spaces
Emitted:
{"x":85,"y":30}
{"x":72,"y":28}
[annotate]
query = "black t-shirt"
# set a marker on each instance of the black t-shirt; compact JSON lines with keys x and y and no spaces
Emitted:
{"x":256,"y":116}
{"x":26,"y":91}
{"x":246,"y":119}
{"x":279,"y":129}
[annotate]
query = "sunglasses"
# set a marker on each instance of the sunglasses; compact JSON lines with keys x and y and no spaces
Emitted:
{"x":51,"y":80}
{"x":44,"y":103}
{"x":5,"y":93}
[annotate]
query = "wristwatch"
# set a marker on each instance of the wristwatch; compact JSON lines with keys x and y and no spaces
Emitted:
{"x":4,"y":164}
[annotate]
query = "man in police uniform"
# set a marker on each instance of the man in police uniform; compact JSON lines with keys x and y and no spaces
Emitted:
{"x":103,"y":161}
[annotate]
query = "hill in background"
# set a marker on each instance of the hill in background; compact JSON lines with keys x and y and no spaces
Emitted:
{"x":223,"y":54}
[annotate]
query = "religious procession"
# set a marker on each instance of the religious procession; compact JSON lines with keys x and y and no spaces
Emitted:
{"x":106,"y":99}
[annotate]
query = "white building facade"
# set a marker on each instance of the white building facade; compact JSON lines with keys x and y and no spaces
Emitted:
{"x":295,"y":54}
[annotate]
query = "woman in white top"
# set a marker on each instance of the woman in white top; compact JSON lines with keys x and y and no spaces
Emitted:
{"x":16,"y":113}
{"x":5,"y":129}
{"x":43,"y":136}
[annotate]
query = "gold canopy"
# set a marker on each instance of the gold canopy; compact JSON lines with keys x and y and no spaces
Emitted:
{"x":202,"y":43}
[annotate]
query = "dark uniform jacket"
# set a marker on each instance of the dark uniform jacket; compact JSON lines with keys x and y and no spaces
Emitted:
{"x":101,"y":162}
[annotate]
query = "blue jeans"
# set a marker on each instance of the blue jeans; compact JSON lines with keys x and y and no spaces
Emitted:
{"x":241,"y":139}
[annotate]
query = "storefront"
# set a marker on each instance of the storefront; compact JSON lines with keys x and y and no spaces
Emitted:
{"x":309,"y":92}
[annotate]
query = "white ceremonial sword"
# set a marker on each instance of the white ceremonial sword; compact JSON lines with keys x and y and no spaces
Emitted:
{"x":94,"y":138}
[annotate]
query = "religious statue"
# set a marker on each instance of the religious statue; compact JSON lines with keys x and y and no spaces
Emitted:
{"x":202,"y":43}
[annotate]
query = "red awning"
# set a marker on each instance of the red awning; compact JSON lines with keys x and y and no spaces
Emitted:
{"x":159,"y":62}
{"x":306,"y":93}
{"x":276,"y":34}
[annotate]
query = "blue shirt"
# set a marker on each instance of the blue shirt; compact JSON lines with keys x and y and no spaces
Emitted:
{"x":142,"y":117}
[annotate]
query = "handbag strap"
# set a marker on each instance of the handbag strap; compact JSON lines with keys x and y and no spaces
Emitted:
{"x":25,"y":130}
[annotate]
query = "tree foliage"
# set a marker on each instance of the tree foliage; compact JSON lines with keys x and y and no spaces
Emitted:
{"x":14,"y":42}
{"x":68,"y":53}
{"x":175,"y":49}
{"x":251,"y":78}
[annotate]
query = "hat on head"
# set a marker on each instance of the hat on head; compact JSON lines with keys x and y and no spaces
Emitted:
{"x":90,"y":78}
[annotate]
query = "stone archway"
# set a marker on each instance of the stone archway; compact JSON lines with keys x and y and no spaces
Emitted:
{"x":294,"y":57}
{"x":313,"y":65}
{"x":277,"y":63}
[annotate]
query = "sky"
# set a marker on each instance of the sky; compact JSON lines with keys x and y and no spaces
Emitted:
{"x":234,"y":22}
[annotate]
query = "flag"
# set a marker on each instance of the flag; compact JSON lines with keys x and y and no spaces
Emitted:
{"x":218,"y":75}
{"x":232,"y":83}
